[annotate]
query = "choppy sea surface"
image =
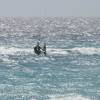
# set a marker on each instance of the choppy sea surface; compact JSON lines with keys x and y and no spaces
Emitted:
{"x":69,"y":71}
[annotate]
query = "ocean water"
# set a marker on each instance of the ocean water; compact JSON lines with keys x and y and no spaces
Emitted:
{"x":69,"y":71}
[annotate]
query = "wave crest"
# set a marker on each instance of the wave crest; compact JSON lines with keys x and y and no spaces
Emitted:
{"x":86,"y":50}
{"x":70,"y":97}
{"x":51,"y":51}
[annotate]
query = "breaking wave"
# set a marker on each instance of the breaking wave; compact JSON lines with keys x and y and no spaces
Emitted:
{"x":13,"y":50}
{"x":70,"y":97}
{"x":51,"y":51}
{"x":86,"y":50}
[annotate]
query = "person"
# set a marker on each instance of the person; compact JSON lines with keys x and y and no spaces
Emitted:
{"x":44,"y":49}
{"x":37,"y":49}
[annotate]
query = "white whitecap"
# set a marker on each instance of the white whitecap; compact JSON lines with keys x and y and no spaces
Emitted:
{"x":51,"y":51}
{"x":86,"y":50}
{"x":57,"y":51}
{"x":13,"y":50}
{"x":69,"y":97}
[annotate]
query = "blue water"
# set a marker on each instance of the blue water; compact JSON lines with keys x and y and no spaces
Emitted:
{"x":69,"y":71}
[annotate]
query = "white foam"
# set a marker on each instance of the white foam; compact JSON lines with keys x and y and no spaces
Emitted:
{"x":70,"y":97}
{"x":82,"y":50}
{"x":51,"y":51}
{"x":57,"y":51}
{"x":86,"y":50}
{"x":13,"y":50}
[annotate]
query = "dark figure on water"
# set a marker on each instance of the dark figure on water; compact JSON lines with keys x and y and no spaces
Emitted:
{"x":37,"y":49}
{"x":44,"y":49}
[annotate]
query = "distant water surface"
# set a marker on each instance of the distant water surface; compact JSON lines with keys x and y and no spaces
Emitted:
{"x":71,"y":69}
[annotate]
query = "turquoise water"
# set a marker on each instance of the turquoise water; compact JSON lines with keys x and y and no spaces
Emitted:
{"x":70,"y":71}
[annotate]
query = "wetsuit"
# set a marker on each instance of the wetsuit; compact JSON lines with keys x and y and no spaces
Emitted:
{"x":37,"y":50}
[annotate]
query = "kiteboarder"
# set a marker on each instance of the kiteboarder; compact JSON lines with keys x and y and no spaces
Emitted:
{"x":37,"y":49}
